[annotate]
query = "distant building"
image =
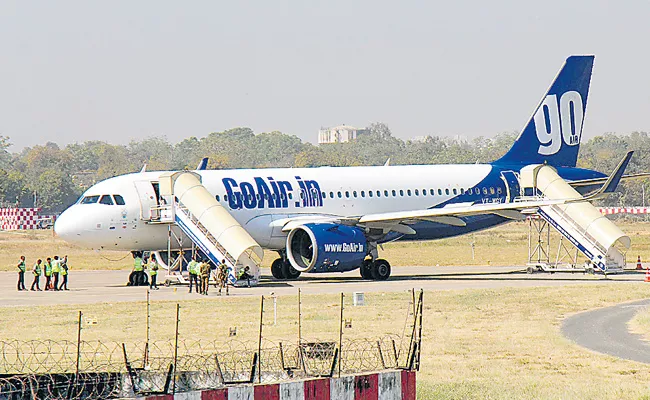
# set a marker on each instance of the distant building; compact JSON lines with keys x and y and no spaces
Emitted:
{"x":339,"y":134}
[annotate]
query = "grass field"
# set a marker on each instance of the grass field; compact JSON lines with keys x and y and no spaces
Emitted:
{"x":505,"y":245}
{"x":477,"y":344}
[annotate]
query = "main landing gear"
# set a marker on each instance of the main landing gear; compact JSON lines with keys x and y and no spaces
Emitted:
{"x":281,"y":269}
{"x":378,"y":270}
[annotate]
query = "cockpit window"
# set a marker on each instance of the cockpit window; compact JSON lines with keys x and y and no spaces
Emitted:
{"x":89,"y":200}
{"x":106,"y":199}
{"x":119,"y":200}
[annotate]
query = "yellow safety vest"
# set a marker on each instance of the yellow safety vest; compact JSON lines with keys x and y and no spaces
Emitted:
{"x":193,"y":267}
{"x":154,"y":269}
{"x":48,"y":268}
{"x":56,"y":266}
{"x":37,"y":269}
{"x":137,"y":264}
{"x":21,"y":266}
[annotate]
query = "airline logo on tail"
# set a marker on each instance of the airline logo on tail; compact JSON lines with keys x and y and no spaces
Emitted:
{"x":552,"y":134}
{"x":557,"y":122}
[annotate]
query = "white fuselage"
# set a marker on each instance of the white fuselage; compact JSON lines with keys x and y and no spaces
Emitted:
{"x":257,"y":197}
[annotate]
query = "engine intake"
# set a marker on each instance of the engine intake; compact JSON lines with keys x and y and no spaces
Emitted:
{"x":326,"y":247}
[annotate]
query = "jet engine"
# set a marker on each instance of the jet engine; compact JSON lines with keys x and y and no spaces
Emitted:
{"x":326,"y":247}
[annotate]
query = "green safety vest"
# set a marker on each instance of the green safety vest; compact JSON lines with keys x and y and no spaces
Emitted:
{"x":48,"y":268}
{"x":154,"y":269}
{"x":56,"y":266}
{"x":37,"y":269}
{"x":193,"y":267}
{"x":137,"y":264}
{"x":21,"y":266}
{"x":64,"y":271}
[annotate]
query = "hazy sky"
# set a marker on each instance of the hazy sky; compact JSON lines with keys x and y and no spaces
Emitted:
{"x":121,"y":70}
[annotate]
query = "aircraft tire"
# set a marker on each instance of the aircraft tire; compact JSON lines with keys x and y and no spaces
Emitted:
{"x":366,"y":269}
{"x":276,"y":269}
{"x":380,"y":270}
{"x":289,"y":272}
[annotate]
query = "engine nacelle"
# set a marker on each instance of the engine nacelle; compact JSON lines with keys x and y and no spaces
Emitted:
{"x":326,"y":247}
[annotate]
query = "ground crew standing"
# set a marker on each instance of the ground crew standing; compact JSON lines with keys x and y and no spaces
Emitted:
{"x":222,"y":276}
{"x":48,"y":273}
{"x":194,"y":270}
{"x":205,"y":276}
{"x":56,"y":270}
{"x":64,"y":273}
{"x":153,"y":274}
{"x":21,"y":273}
{"x":37,"y":275}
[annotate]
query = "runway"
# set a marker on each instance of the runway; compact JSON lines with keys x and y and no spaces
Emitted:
{"x":605,"y":331}
{"x":110,"y":286}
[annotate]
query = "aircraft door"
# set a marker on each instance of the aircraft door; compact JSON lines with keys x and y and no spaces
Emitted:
{"x":511,"y":180}
{"x":148,"y":199}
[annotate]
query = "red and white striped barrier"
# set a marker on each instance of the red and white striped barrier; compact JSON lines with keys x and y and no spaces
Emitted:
{"x":21,"y":218}
{"x":391,"y":385}
{"x":624,"y":210}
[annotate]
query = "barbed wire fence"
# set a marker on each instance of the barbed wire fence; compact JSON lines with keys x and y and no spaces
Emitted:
{"x":48,"y":369}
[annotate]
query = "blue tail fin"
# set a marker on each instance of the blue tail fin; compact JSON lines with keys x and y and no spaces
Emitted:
{"x":553,"y":133}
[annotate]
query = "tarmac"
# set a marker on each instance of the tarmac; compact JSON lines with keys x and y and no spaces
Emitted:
{"x":110,"y":286}
{"x":605,"y":331}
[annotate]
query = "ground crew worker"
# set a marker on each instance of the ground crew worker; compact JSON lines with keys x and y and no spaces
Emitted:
{"x":205,"y":276}
{"x":48,"y":273}
{"x":56,"y":270}
{"x":37,"y":275}
{"x":222,"y":276}
{"x":244,"y":275}
{"x":64,"y":273}
{"x":194,"y":270}
{"x":154,"y":272}
{"x":21,"y":274}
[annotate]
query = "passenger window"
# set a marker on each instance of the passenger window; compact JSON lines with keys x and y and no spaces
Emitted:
{"x":433,"y":192}
{"x":408,"y":192}
{"x":331,"y":195}
{"x":363,"y":193}
{"x":347,"y":194}
{"x":394,"y":193}
{"x":90,"y":200}
{"x":485,"y":191}
{"x":462,"y":191}
{"x":447,"y":192}
{"x":499,"y":191}
{"x":386,"y":193}
{"x":492,"y":190}
{"x":401,"y":192}
{"x":225,"y":197}
{"x":290,"y":196}
{"x":455,"y":191}
{"x":417,"y":192}
{"x":369,"y":193}
{"x":106,"y":199}
{"x":477,"y":190}
{"x":339,"y":194}
{"x":354,"y":193}
{"x":378,"y":193}
{"x":119,"y":200}
{"x":439,"y":192}
{"x":217,"y":197}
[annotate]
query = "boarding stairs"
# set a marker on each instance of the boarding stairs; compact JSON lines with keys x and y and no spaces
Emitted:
{"x":577,"y":221}
{"x":209,"y":226}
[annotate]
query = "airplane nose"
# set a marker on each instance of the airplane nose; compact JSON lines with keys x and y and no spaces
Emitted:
{"x":64,"y":226}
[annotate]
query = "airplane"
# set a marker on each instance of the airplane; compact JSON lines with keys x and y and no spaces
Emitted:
{"x":327,"y":219}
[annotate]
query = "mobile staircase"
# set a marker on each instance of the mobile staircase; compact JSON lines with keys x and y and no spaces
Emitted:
{"x":577,"y":221}
{"x":209,"y":226}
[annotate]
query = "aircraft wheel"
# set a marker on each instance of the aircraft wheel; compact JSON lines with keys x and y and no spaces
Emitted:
{"x":380,"y":270}
{"x":289,"y":272}
{"x":276,"y":269}
{"x":366,"y":269}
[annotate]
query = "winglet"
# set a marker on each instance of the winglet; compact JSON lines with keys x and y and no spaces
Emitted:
{"x":144,"y":168}
{"x":615,"y":178}
{"x":203,"y":164}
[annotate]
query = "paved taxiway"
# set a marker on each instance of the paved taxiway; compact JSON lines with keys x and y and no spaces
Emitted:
{"x":109,"y":286}
{"x":605,"y":331}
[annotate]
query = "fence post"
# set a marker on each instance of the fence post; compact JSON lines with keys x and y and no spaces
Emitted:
{"x":259,"y":342}
{"x":76,"y":372}
{"x":146,"y":345}
{"x":178,"y":320}
{"x":340,"y":355}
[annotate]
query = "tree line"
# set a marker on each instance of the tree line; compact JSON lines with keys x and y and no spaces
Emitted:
{"x":53,"y":177}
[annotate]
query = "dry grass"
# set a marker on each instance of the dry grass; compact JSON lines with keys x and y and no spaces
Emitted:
{"x":505,"y":245}
{"x":500,"y":344}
